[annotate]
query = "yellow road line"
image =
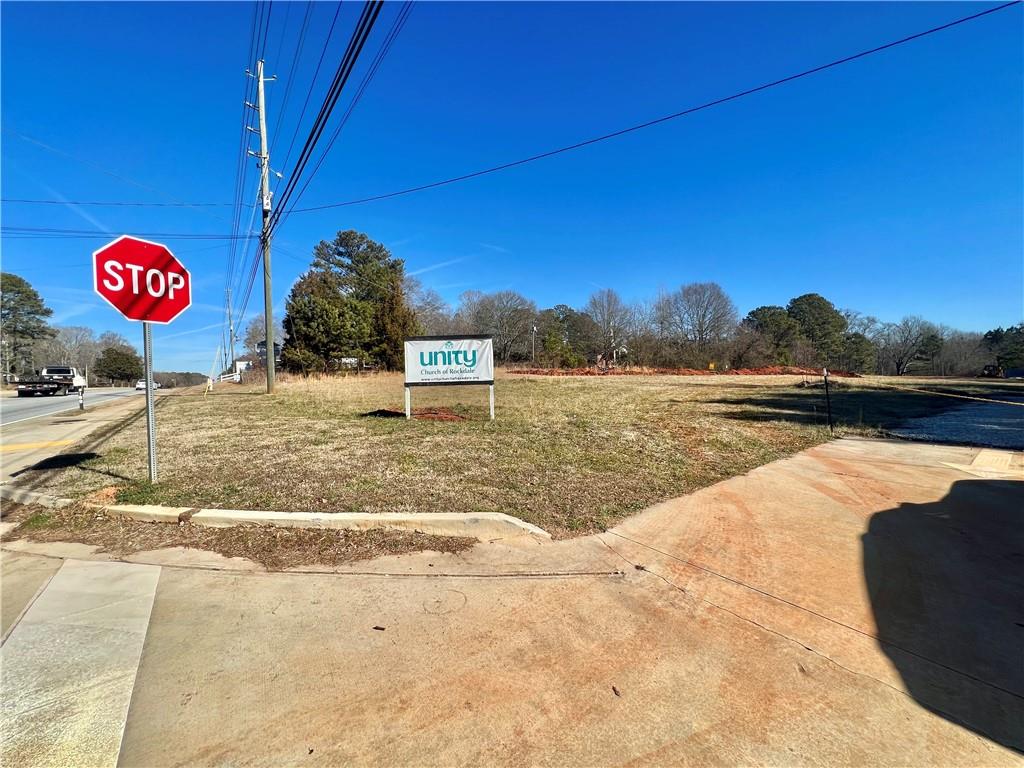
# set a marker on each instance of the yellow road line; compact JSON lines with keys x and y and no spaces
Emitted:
{"x":33,"y":446}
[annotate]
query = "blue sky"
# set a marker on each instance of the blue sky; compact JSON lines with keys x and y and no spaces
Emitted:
{"x":892,"y":185}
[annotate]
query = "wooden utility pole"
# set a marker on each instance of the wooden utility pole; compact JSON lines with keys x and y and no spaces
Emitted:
{"x":264,"y":159}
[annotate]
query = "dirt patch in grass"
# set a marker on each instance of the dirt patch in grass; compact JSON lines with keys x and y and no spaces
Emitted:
{"x":273,"y":548}
{"x":570,"y":454}
{"x":427,"y":414}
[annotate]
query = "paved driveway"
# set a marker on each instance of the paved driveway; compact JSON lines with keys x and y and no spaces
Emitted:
{"x":855,"y":604}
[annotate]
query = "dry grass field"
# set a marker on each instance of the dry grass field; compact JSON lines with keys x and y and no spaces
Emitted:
{"x":572,"y":455}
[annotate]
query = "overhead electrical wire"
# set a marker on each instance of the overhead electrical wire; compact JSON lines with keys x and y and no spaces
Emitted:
{"x":241,"y":165}
{"x":45,"y":232}
{"x":245,"y":295}
{"x":254,"y":261}
{"x":266,"y":29}
{"x":364,"y":26}
{"x":284,"y":28}
{"x":309,"y":93}
{"x":106,"y":171}
{"x":659,"y":120}
{"x":260,"y":54}
{"x":396,"y":29}
{"x":371,"y":9}
{"x":179,"y":204}
{"x":296,"y":57}
{"x":113,"y":203}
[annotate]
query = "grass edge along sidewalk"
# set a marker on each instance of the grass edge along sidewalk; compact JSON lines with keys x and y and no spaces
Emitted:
{"x":270,"y":547}
{"x":570,"y":455}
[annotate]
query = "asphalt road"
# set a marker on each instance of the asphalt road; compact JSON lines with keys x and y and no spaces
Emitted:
{"x":15,"y":409}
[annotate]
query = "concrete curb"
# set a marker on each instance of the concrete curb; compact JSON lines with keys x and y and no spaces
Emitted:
{"x":480,"y":525}
{"x":20,"y":496}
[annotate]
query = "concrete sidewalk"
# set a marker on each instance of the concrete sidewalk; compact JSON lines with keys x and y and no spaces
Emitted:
{"x":858,"y":604}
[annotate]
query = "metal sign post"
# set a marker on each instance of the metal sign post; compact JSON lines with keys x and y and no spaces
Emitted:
{"x":147,"y":353}
{"x":828,"y":402}
{"x":143,"y":281}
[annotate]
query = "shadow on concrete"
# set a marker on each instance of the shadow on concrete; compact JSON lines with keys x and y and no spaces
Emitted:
{"x":858,"y":406}
{"x":946,"y":584}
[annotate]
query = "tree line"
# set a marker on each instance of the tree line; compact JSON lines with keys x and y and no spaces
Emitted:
{"x":356,"y":304}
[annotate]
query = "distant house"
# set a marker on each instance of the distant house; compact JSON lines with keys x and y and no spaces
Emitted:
{"x":261,"y":352}
{"x":245,"y":363}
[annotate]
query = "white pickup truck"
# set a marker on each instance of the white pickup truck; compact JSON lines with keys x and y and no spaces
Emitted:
{"x":52,"y":380}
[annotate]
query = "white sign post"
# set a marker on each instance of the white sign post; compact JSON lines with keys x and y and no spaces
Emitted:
{"x":434,"y":361}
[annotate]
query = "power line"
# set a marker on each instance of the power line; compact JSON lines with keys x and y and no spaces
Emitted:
{"x":241,"y":166}
{"x":105,"y":171}
{"x":266,"y":29}
{"x":371,"y":9}
{"x":296,"y":57}
{"x":112,"y":203}
{"x":367,"y":18}
{"x":396,"y":29}
{"x":45,"y":232}
{"x":248,"y":246}
{"x":309,"y":93}
{"x":659,"y":120}
{"x":284,"y":28}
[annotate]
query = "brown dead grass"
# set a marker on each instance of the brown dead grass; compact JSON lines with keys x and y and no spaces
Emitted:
{"x":570,"y":454}
{"x":273,"y":548}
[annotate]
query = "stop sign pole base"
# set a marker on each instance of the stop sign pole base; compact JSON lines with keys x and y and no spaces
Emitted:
{"x":147,"y":353}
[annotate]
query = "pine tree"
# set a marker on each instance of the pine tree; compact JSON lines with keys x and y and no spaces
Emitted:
{"x":22,"y":321}
{"x":353,"y":279}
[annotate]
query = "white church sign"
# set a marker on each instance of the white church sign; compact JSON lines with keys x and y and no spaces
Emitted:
{"x":448,"y":360}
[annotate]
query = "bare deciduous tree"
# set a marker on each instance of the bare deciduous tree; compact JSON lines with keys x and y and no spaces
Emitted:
{"x":899,"y":343}
{"x":70,"y":345}
{"x":858,"y":322}
{"x":506,"y":315}
{"x":432,"y":312}
{"x":699,"y":316}
{"x":611,"y":315}
{"x":256,"y":333}
{"x":963,"y":353}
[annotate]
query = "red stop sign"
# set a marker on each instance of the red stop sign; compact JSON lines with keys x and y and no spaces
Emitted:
{"x":141,"y":280}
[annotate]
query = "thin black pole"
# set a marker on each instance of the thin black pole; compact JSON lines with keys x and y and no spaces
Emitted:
{"x":828,"y":402}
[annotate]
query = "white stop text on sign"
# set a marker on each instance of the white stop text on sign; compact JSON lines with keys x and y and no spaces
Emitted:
{"x":156,"y":282}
